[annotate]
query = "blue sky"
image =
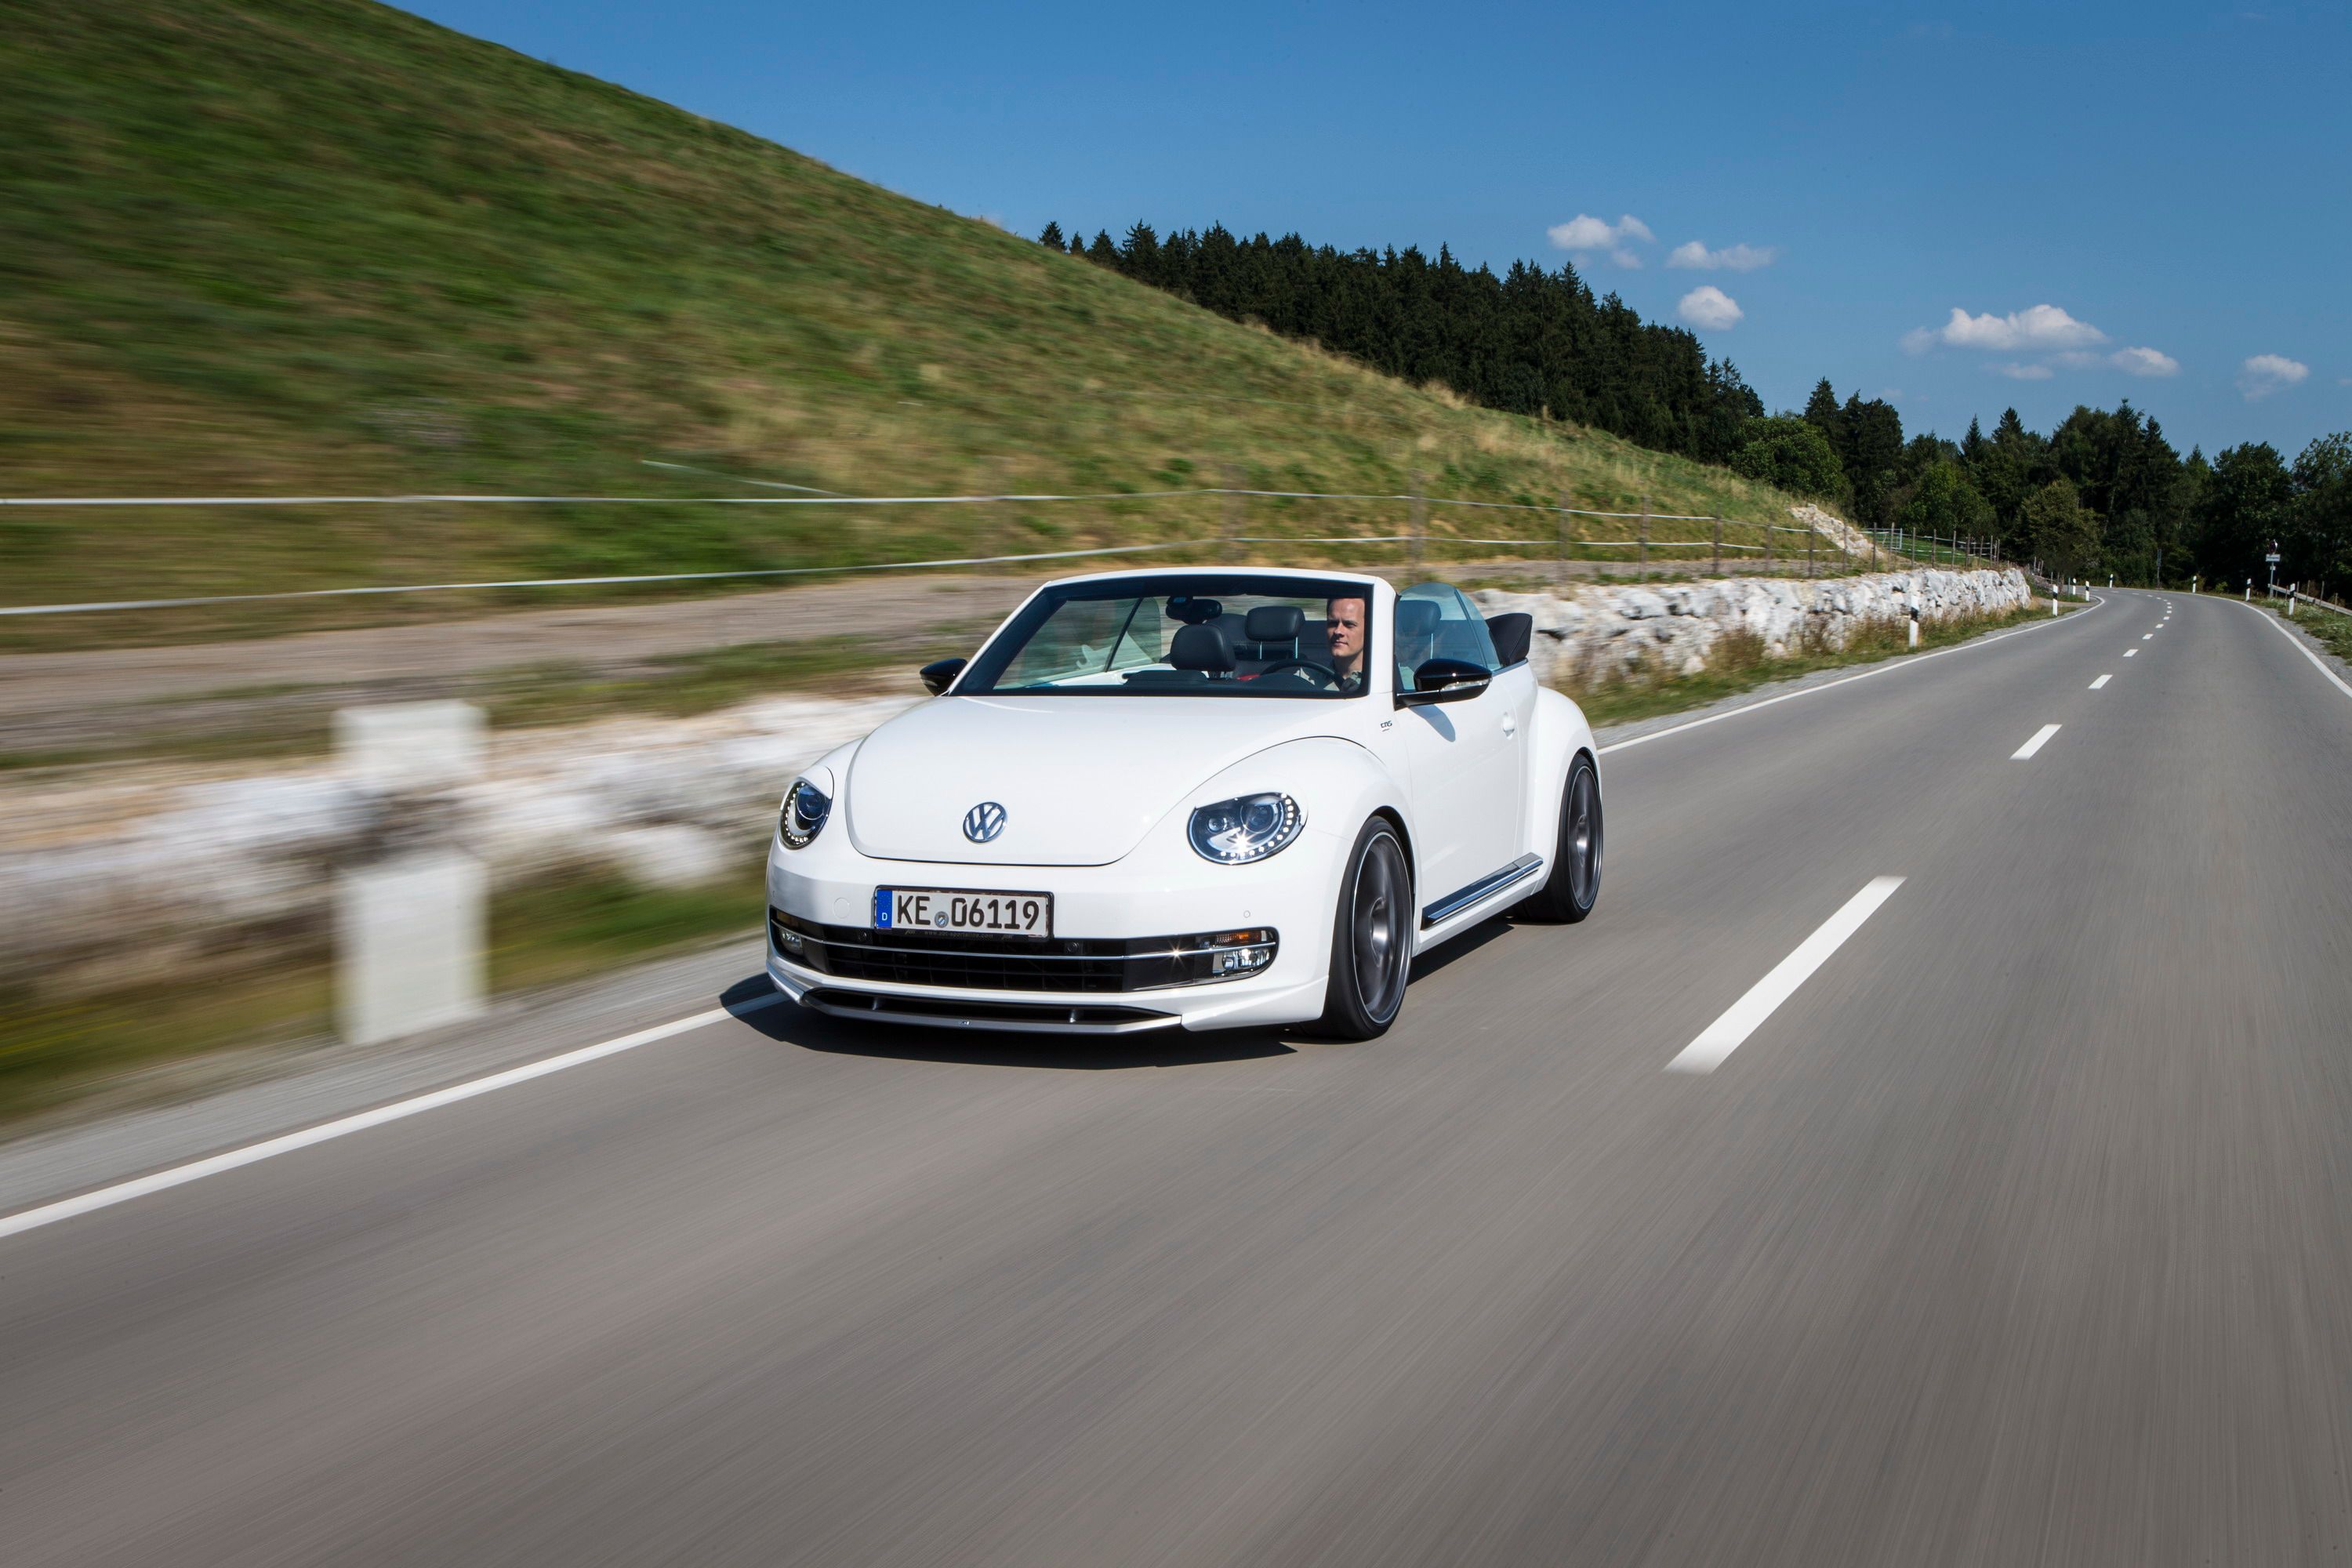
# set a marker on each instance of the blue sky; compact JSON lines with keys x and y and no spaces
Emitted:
{"x":1915,"y":187}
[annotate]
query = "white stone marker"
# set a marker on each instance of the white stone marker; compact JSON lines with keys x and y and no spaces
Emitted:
{"x":410,"y":930}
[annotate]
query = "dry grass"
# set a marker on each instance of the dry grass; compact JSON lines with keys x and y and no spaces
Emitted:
{"x":486,"y":273}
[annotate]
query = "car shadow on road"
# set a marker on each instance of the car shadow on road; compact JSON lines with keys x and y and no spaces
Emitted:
{"x":787,"y":1023}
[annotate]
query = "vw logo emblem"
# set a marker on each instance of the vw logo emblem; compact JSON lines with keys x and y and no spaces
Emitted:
{"x":984,"y":821}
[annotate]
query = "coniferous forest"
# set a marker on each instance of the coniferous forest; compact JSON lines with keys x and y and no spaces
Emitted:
{"x":2105,"y":493}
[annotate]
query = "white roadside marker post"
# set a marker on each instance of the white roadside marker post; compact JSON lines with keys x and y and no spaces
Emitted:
{"x":411,"y":927}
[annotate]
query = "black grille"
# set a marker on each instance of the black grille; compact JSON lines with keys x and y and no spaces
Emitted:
{"x":987,"y":962}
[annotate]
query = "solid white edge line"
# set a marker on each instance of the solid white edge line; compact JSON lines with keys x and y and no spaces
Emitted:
{"x":271,"y":1148}
{"x":2040,"y":739}
{"x":1728,"y":1033}
{"x":2332,"y":678}
{"x":2100,"y":681}
{"x":1909,"y":663}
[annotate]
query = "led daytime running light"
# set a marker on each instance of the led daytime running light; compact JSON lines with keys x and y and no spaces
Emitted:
{"x":1245,"y":828}
{"x":806,"y":810}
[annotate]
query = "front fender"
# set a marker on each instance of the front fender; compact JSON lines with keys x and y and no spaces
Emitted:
{"x":1336,"y":782}
{"x":1559,"y":732}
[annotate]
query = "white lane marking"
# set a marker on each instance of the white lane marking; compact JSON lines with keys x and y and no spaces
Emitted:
{"x":2131,"y":653}
{"x":2040,"y":739}
{"x":2334,"y":679}
{"x":1909,"y":663}
{"x":2100,"y":681}
{"x":1727,"y":1034}
{"x":269,"y":1149}
{"x":2145,"y":636}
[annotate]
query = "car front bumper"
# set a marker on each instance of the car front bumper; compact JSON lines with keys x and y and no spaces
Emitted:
{"x":1149,"y":894}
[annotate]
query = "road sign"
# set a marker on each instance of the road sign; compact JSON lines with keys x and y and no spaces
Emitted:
{"x":2272,"y":559}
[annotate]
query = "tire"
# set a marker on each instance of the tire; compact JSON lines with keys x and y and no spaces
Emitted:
{"x":1372,"y":932}
{"x":1573,"y":885}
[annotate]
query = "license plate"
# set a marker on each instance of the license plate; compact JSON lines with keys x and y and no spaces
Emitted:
{"x":963,"y":909}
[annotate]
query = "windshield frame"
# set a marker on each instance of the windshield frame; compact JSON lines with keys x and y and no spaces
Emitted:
{"x":980,"y":678}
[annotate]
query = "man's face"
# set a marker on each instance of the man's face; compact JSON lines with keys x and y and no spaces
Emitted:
{"x":1344,"y":620}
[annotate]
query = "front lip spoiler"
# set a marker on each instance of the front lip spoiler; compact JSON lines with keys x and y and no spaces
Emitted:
{"x":1018,"y":1017}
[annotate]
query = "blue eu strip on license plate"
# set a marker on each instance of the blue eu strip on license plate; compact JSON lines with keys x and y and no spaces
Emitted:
{"x":881,"y":909}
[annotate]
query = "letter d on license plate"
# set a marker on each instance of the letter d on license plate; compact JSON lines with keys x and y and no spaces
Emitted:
{"x":963,"y":909}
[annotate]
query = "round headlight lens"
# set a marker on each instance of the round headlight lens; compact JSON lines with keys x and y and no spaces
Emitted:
{"x":803,"y":815}
{"x":1247,"y":827}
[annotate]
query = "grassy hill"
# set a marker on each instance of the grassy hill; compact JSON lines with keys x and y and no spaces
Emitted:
{"x":324,"y":246}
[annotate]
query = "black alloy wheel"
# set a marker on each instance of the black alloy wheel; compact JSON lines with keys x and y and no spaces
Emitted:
{"x":1573,"y":885}
{"x":1371,"y":936}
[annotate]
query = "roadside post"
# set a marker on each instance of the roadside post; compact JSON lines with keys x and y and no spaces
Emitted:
{"x":1642,"y":542}
{"x":1719,"y":544}
{"x":410,"y":925}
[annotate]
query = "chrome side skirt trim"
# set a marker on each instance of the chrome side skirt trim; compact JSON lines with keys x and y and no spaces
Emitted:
{"x":1485,"y":887}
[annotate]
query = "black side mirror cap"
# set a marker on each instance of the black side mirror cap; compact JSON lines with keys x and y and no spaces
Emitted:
{"x":1445,"y":680}
{"x":939,"y":677}
{"x":1513,"y":633}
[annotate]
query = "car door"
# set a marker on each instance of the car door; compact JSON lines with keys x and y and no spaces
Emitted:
{"x":1465,"y":757}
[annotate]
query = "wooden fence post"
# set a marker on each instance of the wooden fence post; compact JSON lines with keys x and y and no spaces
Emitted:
{"x":1719,"y":544}
{"x":1419,"y":523}
{"x":1642,"y":542}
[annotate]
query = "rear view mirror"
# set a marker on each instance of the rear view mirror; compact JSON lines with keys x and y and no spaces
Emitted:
{"x":1444,"y":680}
{"x":939,"y":677}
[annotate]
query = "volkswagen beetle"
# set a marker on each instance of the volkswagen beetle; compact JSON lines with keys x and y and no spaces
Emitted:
{"x":1198,"y":798}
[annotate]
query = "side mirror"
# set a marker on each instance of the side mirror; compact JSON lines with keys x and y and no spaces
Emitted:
{"x":938,"y":678}
{"x":1513,"y":631}
{"x":1444,"y":680}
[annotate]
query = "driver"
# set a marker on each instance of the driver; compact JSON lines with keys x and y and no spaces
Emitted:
{"x":1343,"y":621}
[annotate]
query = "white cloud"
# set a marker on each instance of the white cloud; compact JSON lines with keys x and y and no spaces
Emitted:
{"x":1731,"y":258}
{"x":2145,"y":362}
{"x":2265,"y":374}
{"x":1919,"y":341}
{"x":1709,"y":306}
{"x":2016,"y":372}
{"x":2040,"y":327}
{"x":1585,"y":235}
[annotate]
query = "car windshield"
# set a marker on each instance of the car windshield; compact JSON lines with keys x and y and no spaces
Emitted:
{"x":1184,"y":636}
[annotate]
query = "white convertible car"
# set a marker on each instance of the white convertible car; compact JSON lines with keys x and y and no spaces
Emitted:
{"x":1206,"y":798}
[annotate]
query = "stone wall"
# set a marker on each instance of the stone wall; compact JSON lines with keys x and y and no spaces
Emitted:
{"x":130,"y":875}
{"x":1602,"y":631}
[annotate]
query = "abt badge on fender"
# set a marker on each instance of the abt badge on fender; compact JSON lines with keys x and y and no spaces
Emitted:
{"x":984,"y":821}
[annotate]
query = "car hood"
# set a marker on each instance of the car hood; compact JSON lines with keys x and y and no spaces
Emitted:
{"x":1081,"y":779}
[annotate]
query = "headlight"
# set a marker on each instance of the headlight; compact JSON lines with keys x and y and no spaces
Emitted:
{"x":1247,"y":827}
{"x":802,"y":818}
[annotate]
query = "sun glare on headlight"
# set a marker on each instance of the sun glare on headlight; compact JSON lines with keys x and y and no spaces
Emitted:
{"x":1247,"y":827}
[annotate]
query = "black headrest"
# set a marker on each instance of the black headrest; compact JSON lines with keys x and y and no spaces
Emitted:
{"x":1201,"y":647}
{"x":1512,"y":632}
{"x":1416,"y":617}
{"x":1193,"y":611}
{"x":1274,"y":623}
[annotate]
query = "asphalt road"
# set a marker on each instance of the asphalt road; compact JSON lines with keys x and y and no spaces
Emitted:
{"x":2014,"y":1234}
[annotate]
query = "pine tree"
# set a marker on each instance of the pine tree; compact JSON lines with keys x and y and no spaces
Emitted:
{"x":1052,"y":238}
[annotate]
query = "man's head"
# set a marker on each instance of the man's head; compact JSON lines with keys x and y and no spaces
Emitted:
{"x":1343,"y":620}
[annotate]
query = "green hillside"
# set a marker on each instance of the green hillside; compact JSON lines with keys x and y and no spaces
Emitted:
{"x":310,"y":247}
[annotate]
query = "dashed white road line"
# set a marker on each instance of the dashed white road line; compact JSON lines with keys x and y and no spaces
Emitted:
{"x":2145,"y":636}
{"x":1727,"y":1034}
{"x":2100,"y":681}
{"x":1912,"y":662}
{"x":2131,"y":653}
{"x":2040,"y":739}
{"x":269,"y":1149}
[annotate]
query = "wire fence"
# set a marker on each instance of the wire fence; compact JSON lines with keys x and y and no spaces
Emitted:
{"x":1820,"y":551}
